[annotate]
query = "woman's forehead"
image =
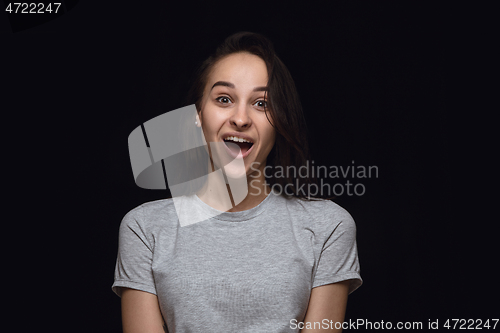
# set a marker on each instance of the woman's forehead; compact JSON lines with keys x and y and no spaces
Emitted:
{"x":242,"y":68}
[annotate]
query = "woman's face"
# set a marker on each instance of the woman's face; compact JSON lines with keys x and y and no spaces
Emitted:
{"x":233,"y":109}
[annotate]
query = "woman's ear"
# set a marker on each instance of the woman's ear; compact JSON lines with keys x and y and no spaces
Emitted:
{"x":198,"y":121}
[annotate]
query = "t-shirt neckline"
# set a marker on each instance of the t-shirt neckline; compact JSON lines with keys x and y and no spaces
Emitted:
{"x":240,"y":216}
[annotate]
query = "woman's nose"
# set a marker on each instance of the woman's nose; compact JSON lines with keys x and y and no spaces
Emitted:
{"x":240,"y":117}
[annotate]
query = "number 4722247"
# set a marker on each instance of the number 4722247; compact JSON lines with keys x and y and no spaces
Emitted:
{"x":470,"y":324}
{"x":32,"y":8}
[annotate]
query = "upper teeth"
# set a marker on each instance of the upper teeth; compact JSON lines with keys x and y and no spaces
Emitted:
{"x":236,"y":139}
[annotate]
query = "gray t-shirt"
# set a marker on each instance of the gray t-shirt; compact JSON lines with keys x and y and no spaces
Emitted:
{"x":248,"y":271}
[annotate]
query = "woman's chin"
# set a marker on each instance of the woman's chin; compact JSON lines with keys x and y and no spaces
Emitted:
{"x":235,"y":172}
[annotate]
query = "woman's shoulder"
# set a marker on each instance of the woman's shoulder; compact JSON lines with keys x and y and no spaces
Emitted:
{"x":322,"y":212}
{"x":322,"y":207}
{"x":151,"y":213}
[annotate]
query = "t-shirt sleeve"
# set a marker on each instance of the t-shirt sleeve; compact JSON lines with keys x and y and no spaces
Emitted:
{"x":135,"y":256}
{"x":338,"y":260}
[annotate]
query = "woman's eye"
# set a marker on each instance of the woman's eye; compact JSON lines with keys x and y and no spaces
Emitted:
{"x":223,"y":99}
{"x":261,"y":104}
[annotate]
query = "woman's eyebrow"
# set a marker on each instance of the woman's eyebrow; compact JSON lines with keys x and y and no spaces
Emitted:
{"x":223,"y":83}
{"x":230,"y":85}
{"x":260,"y":89}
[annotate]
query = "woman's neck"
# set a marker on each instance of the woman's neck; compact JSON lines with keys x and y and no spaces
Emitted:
{"x":218,"y":194}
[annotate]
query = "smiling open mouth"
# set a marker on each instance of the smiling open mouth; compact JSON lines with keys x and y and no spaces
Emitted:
{"x":235,"y":142}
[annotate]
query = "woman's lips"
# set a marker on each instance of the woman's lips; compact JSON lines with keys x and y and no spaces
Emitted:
{"x":234,"y":154}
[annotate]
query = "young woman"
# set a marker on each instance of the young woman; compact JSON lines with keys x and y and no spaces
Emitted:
{"x":272,"y":261}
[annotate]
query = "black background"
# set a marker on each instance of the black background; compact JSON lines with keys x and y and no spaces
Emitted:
{"x":372,"y":80}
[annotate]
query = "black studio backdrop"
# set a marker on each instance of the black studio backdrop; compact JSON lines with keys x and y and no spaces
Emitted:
{"x":372,"y":83}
